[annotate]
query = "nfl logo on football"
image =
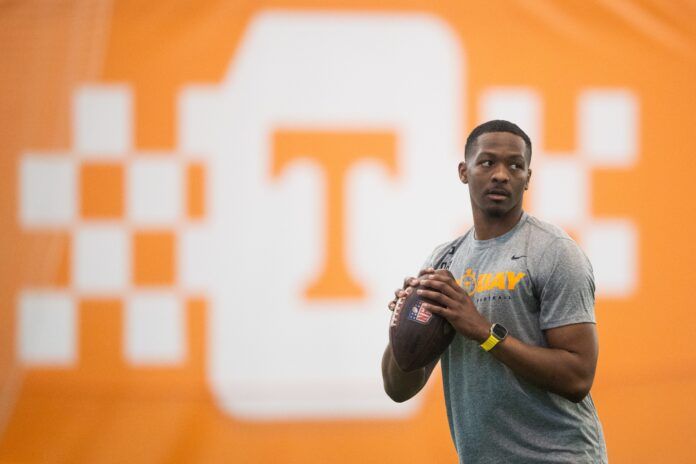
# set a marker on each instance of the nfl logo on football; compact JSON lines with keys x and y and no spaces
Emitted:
{"x":420,"y":314}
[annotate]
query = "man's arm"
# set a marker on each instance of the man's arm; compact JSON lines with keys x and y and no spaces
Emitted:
{"x":566,"y":367}
{"x":400,"y":385}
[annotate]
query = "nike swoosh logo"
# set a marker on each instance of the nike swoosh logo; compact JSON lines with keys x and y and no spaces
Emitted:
{"x":518,"y":257}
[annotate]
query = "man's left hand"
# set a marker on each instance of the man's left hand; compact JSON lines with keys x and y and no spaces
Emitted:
{"x":454,"y":304}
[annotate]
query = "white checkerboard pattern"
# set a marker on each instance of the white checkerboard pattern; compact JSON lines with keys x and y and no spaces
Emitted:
{"x":101,"y":266}
{"x":154,"y":320}
{"x":607,"y":128}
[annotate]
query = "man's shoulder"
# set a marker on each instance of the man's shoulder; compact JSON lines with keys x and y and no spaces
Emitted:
{"x":442,"y":248}
{"x":543,"y":231}
{"x":553,"y":245}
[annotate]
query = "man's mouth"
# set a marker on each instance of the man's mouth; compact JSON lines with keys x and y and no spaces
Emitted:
{"x":497,"y":194}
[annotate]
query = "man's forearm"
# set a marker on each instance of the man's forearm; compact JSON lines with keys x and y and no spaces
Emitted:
{"x":566,"y":367}
{"x":400,"y":385}
{"x":557,"y":370}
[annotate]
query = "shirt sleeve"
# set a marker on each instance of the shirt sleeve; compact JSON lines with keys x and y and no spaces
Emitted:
{"x":566,"y":285}
{"x":435,"y":255}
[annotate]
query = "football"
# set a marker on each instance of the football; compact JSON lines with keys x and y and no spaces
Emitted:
{"x":416,"y":335}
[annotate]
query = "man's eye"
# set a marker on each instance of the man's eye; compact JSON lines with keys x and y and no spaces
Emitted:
{"x":514,"y":166}
{"x":487,"y":163}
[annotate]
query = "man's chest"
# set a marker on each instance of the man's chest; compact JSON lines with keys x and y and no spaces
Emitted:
{"x":497,"y":280}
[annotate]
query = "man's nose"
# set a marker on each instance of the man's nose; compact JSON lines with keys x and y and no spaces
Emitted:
{"x":500,"y":174}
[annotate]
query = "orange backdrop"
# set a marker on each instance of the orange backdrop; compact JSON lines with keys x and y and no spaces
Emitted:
{"x":104,"y":409}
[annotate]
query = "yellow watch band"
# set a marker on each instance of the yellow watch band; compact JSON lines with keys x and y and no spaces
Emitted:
{"x":490,"y":342}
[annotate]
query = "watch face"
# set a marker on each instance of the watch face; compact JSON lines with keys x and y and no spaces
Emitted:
{"x":499,"y":331}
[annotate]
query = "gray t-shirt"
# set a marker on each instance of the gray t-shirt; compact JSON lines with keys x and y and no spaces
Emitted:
{"x":530,"y":279}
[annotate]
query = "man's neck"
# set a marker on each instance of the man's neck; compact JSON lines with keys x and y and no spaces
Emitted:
{"x":487,"y":227}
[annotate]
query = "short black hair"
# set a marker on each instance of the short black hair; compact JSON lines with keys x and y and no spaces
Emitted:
{"x":497,"y":125}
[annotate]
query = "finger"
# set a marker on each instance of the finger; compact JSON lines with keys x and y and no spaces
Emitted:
{"x":447,"y":279}
{"x":435,"y":309}
{"x":427,"y":270}
{"x":440,"y":286}
{"x":437,"y":297}
{"x":399,"y":293}
{"x":444,"y":272}
{"x":410,"y":282}
{"x":392,"y":305}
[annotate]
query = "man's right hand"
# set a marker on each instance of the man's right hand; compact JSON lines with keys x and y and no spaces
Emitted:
{"x":409,"y":284}
{"x":400,"y":385}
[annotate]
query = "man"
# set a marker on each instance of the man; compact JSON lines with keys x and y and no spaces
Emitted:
{"x":520,"y":294}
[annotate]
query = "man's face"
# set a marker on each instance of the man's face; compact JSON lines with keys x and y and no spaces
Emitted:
{"x":497,"y":173}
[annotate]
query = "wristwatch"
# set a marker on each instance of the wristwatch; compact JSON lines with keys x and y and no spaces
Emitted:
{"x":498,"y":334}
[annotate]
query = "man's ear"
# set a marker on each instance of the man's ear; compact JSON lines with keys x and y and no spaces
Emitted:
{"x":529,"y":176}
{"x":462,"y":172}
